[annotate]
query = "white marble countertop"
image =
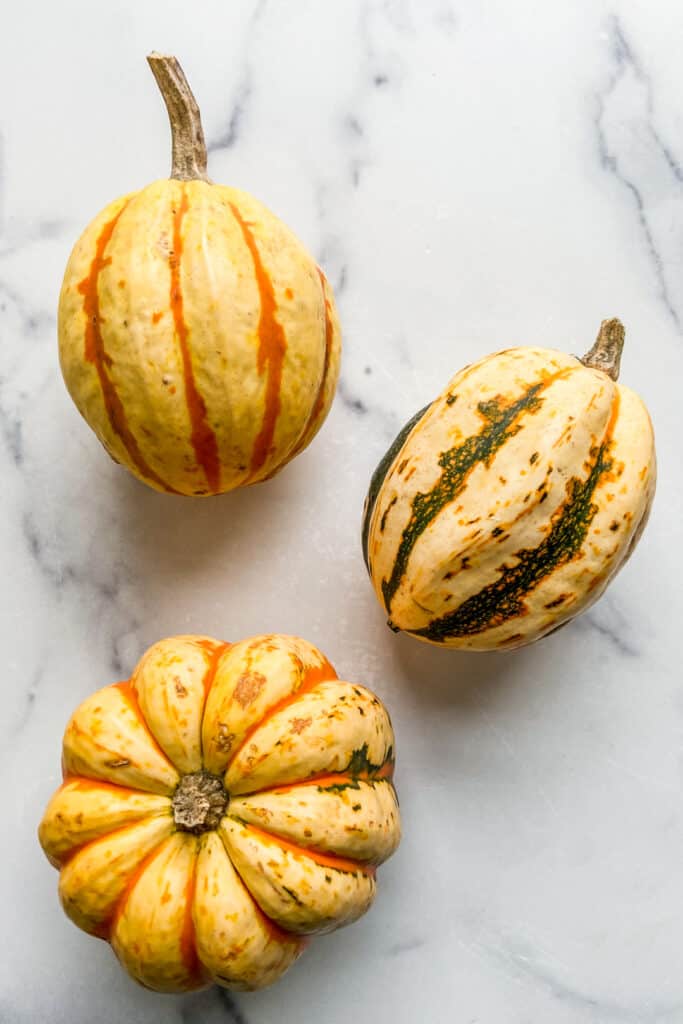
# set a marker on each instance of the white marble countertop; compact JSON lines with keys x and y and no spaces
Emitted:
{"x":471,"y":176}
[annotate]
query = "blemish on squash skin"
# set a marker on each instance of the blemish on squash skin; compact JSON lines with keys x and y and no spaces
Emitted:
{"x":387,"y":510}
{"x":156,"y":317}
{"x":248,"y":687}
{"x":557,"y":601}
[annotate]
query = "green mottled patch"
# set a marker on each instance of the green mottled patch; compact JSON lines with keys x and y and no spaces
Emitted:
{"x":504,"y":599}
{"x":359,"y":765}
{"x":379,"y":475}
{"x":501,"y":423}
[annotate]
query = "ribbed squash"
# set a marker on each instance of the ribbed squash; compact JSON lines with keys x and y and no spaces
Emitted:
{"x":197,"y":336}
{"x":220,"y":806}
{"x":504,"y":508}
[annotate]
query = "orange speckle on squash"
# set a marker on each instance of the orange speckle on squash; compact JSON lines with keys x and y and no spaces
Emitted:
{"x":156,"y":317}
{"x":289,"y":294}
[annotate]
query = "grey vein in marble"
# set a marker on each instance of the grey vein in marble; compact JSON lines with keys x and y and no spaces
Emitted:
{"x":525,"y":963}
{"x":642,"y":163}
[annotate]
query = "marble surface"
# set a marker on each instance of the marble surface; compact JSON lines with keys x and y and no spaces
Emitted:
{"x":471,"y":176}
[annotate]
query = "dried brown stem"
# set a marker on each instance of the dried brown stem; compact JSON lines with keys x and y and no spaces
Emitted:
{"x":189,"y":147}
{"x":199,"y":802}
{"x":605,"y":354}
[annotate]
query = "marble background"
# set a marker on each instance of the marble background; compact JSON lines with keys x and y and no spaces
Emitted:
{"x":472,"y":175}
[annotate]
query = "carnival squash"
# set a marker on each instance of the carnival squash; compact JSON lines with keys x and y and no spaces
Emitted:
{"x":220,"y":806}
{"x":506,"y":506}
{"x":197,"y":336}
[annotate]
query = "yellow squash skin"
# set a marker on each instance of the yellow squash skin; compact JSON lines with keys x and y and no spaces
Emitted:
{"x":284,"y":842}
{"x":197,"y":336}
{"x":512,"y":502}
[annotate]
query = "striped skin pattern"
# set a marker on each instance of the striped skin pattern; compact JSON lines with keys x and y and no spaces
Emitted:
{"x":299,"y":767}
{"x":511,"y":503}
{"x":197,"y":337}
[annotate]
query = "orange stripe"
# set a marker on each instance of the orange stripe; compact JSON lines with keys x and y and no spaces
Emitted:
{"x":216,"y":652}
{"x":188,"y":944}
{"x":65,"y":858}
{"x":131,"y":698}
{"x":271,"y":351}
{"x":203,"y":437}
{"x":96,"y":354}
{"x":275,"y":931}
{"x":612,"y":422}
{"x":81,"y":783}
{"x":326,"y":860}
{"x":311,"y":677}
{"x":134,"y":878}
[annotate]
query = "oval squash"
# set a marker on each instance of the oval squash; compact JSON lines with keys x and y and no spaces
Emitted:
{"x":197,"y":336}
{"x":221,"y":805}
{"x":508,"y":504}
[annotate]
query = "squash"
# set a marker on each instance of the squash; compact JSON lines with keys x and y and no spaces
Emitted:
{"x":197,"y":337}
{"x":505,"y":507}
{"x":223,"y":804}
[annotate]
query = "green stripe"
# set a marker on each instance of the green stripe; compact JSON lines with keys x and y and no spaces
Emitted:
{"x":504,"y":599}
{"x":501,"y":423}
{"x":379,"y":475}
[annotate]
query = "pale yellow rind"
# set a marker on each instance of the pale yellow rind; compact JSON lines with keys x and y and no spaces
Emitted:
{"x":235,"y":943}
{"x":251,"y":677}
{"x":516,"y":494}
{"x":106,"y":739}
{"x":94,"y":880}
{"x":169,"y":685}
{"x":230,"y":905}
{"x":331,"y":375}
{"x":359,"y":820}
{"x":81,"y":811}
{"x":319,"y":732}
{"x":221,"y":309}
{"x":298,"y":893}
{"x":80,"y":376}
{"x":151,"y":937}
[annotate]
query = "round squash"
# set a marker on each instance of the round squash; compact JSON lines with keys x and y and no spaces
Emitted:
{"x":197,"y":336}
{"x":220,"y":806}
{"x":504,"y":508}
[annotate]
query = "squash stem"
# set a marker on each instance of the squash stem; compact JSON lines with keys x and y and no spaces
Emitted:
{"x":199,"y":802}
{"x":189,"y":147}
{"x":605,"y":354}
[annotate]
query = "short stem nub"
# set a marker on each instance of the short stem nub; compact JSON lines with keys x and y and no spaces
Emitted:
{"x":189,"y":148}
{"x":606,"y":352}
{"x":199,"y":802}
